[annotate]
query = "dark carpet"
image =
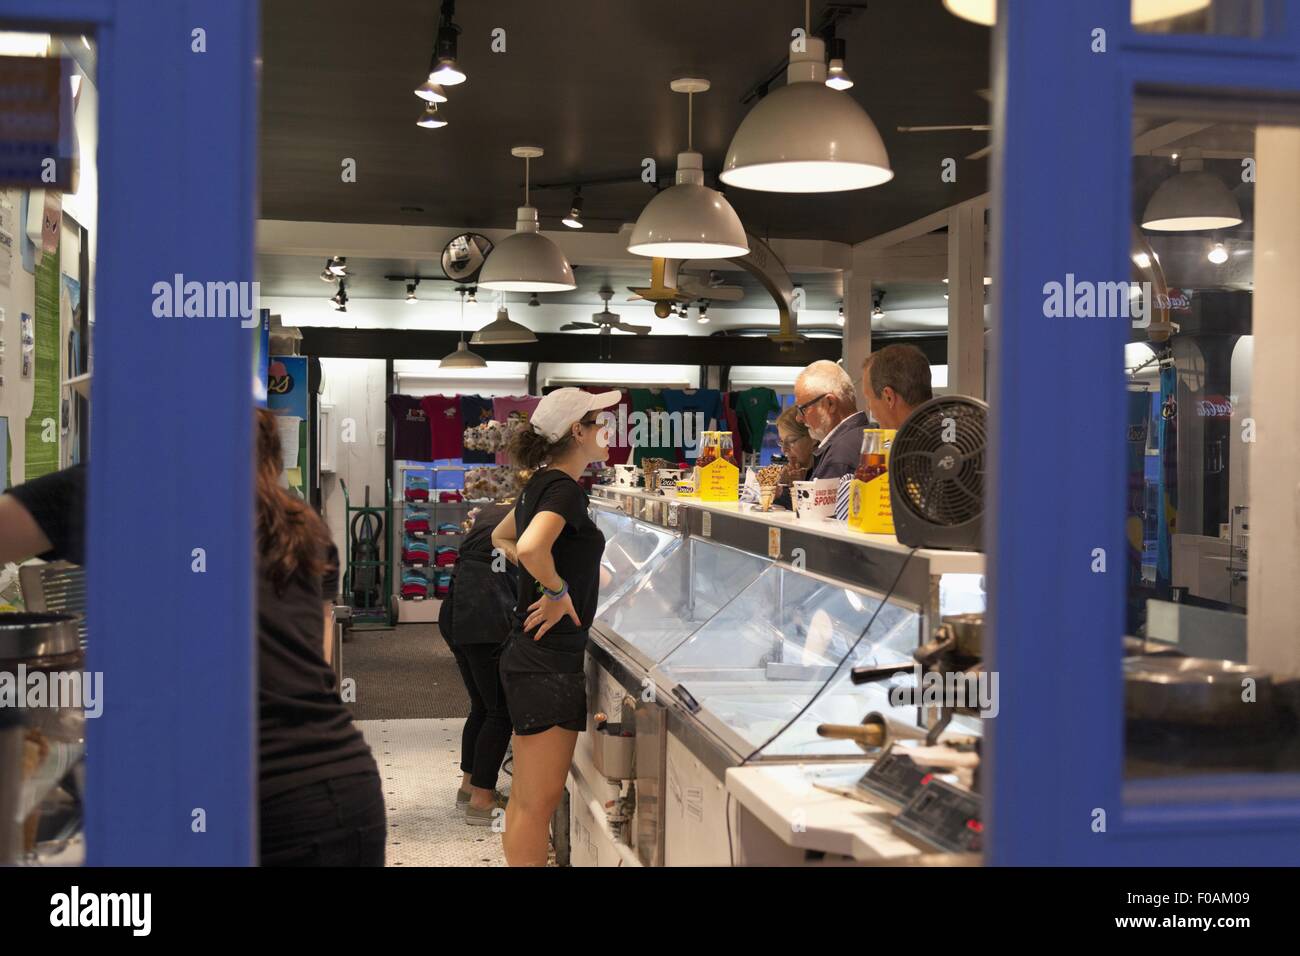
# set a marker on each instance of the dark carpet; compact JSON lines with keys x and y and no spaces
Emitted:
{"x":402,"y":673}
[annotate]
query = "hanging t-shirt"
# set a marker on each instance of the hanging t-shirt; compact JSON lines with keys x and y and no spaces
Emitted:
{"x":754,"y":405}
{"x":733,"y":425}
{"x":706,"y":403}
{"x":476,"y":410}
{"x":512,"y":406}
{"x":444,"y":425}
{"x":650,"y":435}
{"x":412,"y":440}
{"x":619,"y":448}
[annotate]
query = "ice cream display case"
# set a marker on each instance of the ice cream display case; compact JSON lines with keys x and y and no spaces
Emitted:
{"x":724,"y":639}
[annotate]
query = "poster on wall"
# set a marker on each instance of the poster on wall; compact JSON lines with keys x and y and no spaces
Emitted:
{"x":286,"y":396}
{"x":261,"y":357}
{"x":41,"y":451}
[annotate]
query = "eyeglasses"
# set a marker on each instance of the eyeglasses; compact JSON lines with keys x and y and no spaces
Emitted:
{"x":801,"y":410}
{"x":787,"y":443}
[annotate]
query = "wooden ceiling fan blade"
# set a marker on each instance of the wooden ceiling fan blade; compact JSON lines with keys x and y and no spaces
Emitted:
{"x":981,"y":153}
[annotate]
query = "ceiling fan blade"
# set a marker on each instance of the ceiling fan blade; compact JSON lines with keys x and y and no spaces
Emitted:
{"x":973,"y":127}
{"x":634,"y":329}
{"x":981,"y":153}
{"x":574,"y":326}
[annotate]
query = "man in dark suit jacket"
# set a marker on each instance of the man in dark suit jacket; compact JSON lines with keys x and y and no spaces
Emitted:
{"x":824,"y":395}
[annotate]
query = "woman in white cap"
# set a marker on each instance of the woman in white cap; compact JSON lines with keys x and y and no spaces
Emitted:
{"x":558,"y":548}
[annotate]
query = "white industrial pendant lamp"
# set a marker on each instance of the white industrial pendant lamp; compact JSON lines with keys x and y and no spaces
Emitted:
{"x":526,"y":261}
{"x":1191,"y":200}
{"x":503,"y":330}
{"x":462,"y":357}
{"x":445,"y":69}
{"x":689,"y":220}
{"x":1143,"y":11}
{"x":806,"y":137}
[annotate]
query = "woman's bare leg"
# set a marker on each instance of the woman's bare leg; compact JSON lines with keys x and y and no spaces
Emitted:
{"x":541,"y":765}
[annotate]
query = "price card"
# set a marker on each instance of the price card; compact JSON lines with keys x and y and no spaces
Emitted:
{"x":672,"y":514}
{"x":774,"y":543}
{"x":707,"y":527}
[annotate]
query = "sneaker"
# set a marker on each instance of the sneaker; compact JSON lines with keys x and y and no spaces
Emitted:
{"x":486,"y":817}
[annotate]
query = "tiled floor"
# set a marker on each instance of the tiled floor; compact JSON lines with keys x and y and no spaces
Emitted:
{"x":419,"y":761}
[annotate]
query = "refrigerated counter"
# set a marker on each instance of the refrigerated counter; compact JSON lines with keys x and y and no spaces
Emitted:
{"x":723,"y":638}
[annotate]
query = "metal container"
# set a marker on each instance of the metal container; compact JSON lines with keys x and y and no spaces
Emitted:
{"x":1196,"y":691}
{"x":612,"y":752}
{"x":39,"y":746}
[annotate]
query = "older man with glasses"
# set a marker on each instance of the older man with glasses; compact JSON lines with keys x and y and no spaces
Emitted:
{"x":827,"y":404}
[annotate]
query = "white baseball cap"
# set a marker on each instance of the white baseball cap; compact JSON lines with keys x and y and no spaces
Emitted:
{"x":564,"y":406}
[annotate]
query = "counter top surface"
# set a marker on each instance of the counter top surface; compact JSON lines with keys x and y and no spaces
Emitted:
{"x":784,"y":798}
{"x":941,"y":561}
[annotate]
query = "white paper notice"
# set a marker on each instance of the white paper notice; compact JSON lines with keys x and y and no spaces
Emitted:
{"x":289,"y":438}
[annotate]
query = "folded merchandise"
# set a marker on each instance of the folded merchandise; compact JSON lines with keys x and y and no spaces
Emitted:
{"x":415,"y":551}
{"x":445,"y":556}
{"x":448,"y":497}
{"x":414,"y":585}
{"x":417,"y":494}
{"x":448,"y":527}
{"x":442,"y":585}
{"x":416,"y":521}
{"x":416,"y":488}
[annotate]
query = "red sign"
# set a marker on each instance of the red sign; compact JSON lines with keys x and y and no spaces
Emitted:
{"x":1214,"y":406}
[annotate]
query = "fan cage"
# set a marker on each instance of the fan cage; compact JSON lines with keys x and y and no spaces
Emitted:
{"x":944,"y":500}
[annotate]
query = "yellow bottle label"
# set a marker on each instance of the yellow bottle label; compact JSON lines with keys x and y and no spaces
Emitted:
{"x":870,"y":510}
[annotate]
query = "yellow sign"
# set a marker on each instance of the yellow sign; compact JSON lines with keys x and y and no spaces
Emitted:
{"x":870,"y":510}
{"x":719,"y":481}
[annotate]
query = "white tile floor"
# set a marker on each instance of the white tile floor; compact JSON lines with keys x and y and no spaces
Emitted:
{"x":419,"y":761}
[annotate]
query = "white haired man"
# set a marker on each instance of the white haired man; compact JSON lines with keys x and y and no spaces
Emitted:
{"x":827,"y":404}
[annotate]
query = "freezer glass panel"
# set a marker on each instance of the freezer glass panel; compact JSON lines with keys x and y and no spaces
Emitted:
{"x":667,"y":603}
{"x":631,"y":548}
{"x":773,"y":649}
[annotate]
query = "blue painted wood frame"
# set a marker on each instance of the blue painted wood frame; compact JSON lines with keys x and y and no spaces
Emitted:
{"x":1062,"y":172}
{"x":171,"y":432}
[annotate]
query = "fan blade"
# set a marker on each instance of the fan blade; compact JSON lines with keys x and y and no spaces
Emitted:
{"x":981,"y":153}
{"x":950,"y":128}
{"x":719,"y":293}
{"x":574,"y":326}
{"x":634,"y":329}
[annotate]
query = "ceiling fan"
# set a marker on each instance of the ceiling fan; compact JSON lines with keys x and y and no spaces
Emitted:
{"x":972,"y":127}
{"x":688,"y":287}
{"x":606,"y":320}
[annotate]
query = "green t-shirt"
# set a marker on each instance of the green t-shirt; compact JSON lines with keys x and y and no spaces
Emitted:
{"x":652,"y":435}
{"x":753,"y":405}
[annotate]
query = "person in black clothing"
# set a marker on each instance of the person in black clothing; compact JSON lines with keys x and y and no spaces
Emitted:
{"x":558,"y":549}
{"x":320,"y":798}
{"x":475,"y":619}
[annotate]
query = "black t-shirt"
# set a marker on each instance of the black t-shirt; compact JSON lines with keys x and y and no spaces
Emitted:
{"x":305,"y":731}
{"x":483,"y":590}
{"x":412,"y":437}
{"x":577,"y":551}
{"x":57,"y":503}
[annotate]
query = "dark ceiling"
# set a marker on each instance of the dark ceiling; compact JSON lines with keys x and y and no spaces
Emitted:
{"x":588,"y":80}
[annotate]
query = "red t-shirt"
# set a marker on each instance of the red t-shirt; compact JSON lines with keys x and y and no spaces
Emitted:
{"x":448,"y":434}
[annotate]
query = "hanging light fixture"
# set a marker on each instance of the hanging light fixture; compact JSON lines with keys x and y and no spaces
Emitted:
{"x":526,"y":261}
{"x":1143,"y":11}
{"x":689,"y":220}
{"x":503,"y":330}
{"x":533,"y":301}
{"x":462,"y":357}
{"x":804,"y":137}
{"x":430,"y":119}
{"x":335,"y":268}
{"x":1191,"y":200}
{"x":574,"y":219}
{"x":837,"y":77}
{"x":340,"y":298}
{"x":704,"y":313}
{"x":431,"y":91}
{"x":1218,"y":255}
{"x":410,"y":291}
{"x":444,"y":69}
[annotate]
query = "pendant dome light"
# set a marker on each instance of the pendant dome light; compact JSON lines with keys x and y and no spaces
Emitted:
{"x":503,"y":330}
{"x":526,"y":261}
{"x":1143,"y":11}
{"x":689,"y":220}
{"x":431,"y":91}
{"x":462,"y":357}
{"x":1191,"y":200}
{"x":430,"y":118}
{"x":806,"y":137}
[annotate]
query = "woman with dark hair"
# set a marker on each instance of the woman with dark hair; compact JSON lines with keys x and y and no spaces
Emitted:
{"x":321,"y":801}
{"x":558,"y":548}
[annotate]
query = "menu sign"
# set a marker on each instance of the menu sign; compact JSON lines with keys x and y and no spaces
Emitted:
{"x":35,"y":123}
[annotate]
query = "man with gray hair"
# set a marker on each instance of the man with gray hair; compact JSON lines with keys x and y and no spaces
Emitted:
{"x":826,"y":403}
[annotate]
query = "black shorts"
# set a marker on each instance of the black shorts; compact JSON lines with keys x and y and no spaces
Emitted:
{"x":545,"y":682}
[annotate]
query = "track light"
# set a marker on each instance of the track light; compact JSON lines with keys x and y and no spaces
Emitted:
{"x":704,"y":313}
{"x":444,"y":69}
{"x":837,"y":77}
{"x":876,"y":301}
{"x":472,"y":299}
{"x":1218,"y":255}
{"x":410,"y":291}
{"x":574,"y":219}
{"x":430,"y":119}
{"x":840,"y":319}
{"x":431,"y":91}
{"x":340,"y":298}
{"x":533,"y":301}
{"x":335,"y":267}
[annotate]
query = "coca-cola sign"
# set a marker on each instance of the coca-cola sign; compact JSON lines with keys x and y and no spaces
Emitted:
{"x":1214,"y":406}
{"x":1175,"y":300}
